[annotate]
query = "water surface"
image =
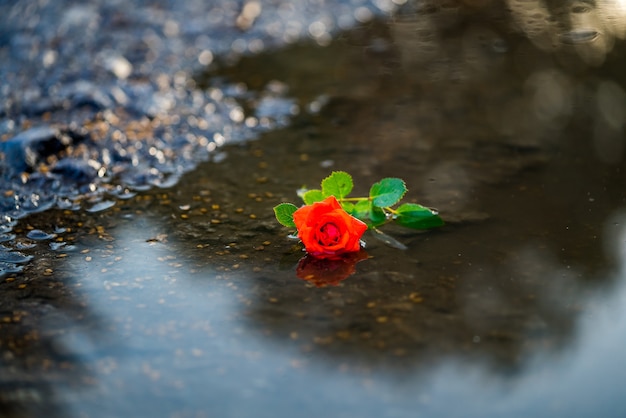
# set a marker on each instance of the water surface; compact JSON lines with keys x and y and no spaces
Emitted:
{"x":183,"y":301}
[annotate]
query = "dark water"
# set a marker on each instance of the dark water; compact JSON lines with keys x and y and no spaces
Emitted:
{"x":183,"y":301}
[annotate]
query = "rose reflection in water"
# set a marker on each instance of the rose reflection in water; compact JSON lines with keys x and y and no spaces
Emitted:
{"x":329,"y":272}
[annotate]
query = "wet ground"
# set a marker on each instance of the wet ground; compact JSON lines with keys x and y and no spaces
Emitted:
{"x":178,"y":295}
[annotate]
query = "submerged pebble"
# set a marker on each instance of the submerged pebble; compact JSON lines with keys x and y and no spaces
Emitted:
{"x":9,"y":268}
{"x":61,"y":246}
{"x":39,"y":235}
{"x":7,"y":237}
{"x":101,"y":206}
{"x":12,"y":257}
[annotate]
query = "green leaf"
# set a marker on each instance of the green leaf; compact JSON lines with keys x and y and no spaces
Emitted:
{"x":387,"y":192}
{"x":407,"y":208}
{"x":312,"y":196}
{"x":377,"y":217}
{"x":284,"y":214}
{"x":362,"y":209}
{"x":373,"y":216}
{"x":338,"y":184}
{"x":348,"y":207}
{"x":412,"y":215}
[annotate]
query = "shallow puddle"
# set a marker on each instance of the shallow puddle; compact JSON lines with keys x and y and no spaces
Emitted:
{"x":185,"y":301}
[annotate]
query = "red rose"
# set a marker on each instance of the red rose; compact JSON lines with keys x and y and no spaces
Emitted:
{"x":326,"y":230}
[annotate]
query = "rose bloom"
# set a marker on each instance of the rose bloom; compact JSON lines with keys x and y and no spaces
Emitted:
{"x":326,"y":230}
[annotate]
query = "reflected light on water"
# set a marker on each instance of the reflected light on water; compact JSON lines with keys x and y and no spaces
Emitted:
{"x":608,"y":132}
{"x":581,"y":381}
{"x":176,"y":340}
{"x":551,"y":95}
{"x":614,"y":13}
{"x":584,"y":29}
{"x":168,"y":329}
